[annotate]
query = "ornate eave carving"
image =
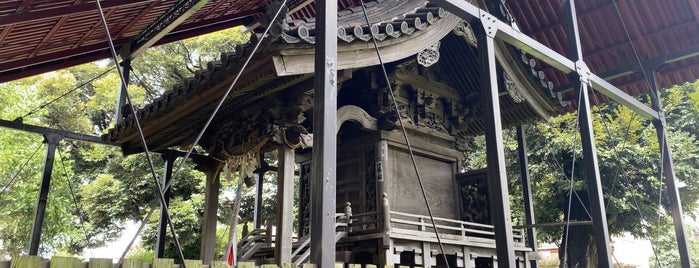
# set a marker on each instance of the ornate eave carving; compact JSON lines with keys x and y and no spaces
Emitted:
{"x":429,"y":56}
{"x":464,"y":30}
{"x":512,"y":89}
{"x":299,"y":59}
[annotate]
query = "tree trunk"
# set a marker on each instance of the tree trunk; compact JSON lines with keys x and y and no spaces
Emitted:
{"x":577,"y":249}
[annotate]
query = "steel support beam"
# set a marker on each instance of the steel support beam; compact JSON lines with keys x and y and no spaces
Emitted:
{"x":18,"y":125}
{"x":172,"y":18}
{"x":167,"y":193}
{"x":507,"y":33}
{"x":35,"y":240}
{"x":669,"y":172}
{"x":527,"y":192}
{"x":587,"y":137}
{"x":121,"y":97}
{"x":650,"y":64}
{"x":495,"y":152}
{"x":323,"y":171}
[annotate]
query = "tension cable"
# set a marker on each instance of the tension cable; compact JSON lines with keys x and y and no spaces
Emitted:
{"x":572,"y":177}
{"x":140,"y":132}
{"x":206,"y":125}
{"x":405,"y":135}
{"x":225,"y":95}
{"x":78,"y":206}
{"x":7,"y":186}
{"x":661,"y":138}
{"x":65,"y":94}
{"x":620,"y":168}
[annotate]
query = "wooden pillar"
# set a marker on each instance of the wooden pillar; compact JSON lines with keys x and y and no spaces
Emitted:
{"x":382,"y":174}
{"x":323,"y":178}
{"x":257,"y":213}
{"x":35,"y":239}
{"x":498,"y":193}
{"x":285,"y":205}
{"x":208,"y":230}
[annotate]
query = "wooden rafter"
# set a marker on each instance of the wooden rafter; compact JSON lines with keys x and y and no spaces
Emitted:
{"x":138,"y":17}
{"x":97,"y":25}
{"x":25,"y":17}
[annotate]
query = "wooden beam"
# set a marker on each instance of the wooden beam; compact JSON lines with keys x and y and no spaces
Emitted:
{"x":208,"y":230}
{"x":87,"y":7}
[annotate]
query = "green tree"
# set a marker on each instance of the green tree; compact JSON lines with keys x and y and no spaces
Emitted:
{"x":95,"y":189}
{"x":668,"y":255}
{"x":629,"y":163}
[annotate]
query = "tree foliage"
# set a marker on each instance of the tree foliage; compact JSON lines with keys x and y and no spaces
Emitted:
{"x":94,"y":188}
{"x":629,"y":163}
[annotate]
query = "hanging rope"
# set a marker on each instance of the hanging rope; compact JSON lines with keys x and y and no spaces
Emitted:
{"x":125,"y":90}
{"x":236,"y":209}
{"x":405,"y":135}
{"x":12,"y":180}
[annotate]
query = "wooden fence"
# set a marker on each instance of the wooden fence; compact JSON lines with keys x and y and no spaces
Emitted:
{"x":71,"y":262}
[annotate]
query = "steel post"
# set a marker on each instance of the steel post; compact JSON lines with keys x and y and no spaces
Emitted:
{"x":35,"y":240}
{"x":587,"y":137}
{"x":323,"y":178}
{"x":121,"y":97}
{"x":527,"y":192}
{"x":669,"y":172}
{"x":495,"y":152}
{"x":167,"y":193}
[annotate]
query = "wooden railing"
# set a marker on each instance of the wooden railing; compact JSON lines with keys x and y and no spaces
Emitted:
{"x":71,"y":262}
{"x":365,"y":223}
{"x":252,"y":242}
{"x":421,"y":225}
{"x":302,"y":252}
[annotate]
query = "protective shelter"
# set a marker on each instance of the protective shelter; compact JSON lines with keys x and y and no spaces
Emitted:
{"x":375,"y":102}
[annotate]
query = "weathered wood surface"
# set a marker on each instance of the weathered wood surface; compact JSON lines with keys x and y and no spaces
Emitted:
{"x":436,"y":176}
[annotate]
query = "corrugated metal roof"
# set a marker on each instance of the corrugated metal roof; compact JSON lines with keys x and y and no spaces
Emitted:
{"x":659,"y":30}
